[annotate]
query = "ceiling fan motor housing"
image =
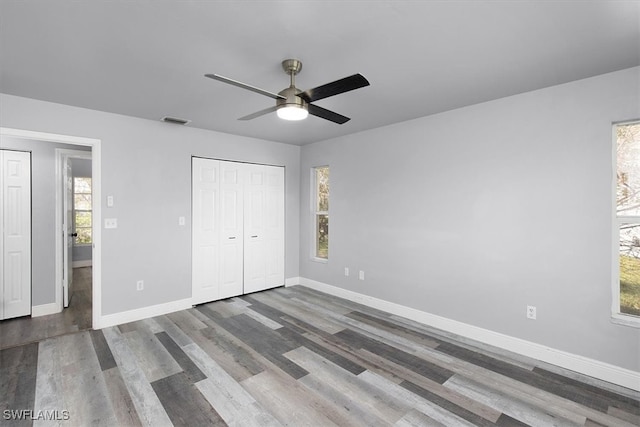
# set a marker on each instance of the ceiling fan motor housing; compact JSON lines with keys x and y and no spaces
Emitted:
{"x":292,"y":100}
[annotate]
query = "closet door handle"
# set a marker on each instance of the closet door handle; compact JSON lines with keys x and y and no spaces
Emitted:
{"x":253,"y":237}
{"x":232,"y":238}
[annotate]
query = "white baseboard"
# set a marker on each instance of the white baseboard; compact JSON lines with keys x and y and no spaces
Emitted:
{"x":85,"y":263}
{"x":144,"y":313}
{"x":44,"y":309}
{"x":584,"y":365}
{"x":157,"y":310}
{"x":292,"y":281}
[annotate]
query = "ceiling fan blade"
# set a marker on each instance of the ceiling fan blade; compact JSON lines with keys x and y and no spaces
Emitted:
{"x":259,"y":113}
{"x":327,"y":114}
{"x":334,"y":88}
{"x":244,"y":86}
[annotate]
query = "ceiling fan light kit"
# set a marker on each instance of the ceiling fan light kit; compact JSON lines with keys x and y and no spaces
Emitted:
{"x":294,"y":104}
{"x":292,"y":113}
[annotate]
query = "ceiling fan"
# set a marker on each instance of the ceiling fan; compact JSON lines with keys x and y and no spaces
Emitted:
{"x":294,"y":104}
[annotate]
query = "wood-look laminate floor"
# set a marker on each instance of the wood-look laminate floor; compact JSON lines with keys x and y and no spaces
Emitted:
{"x":76,"y":317}
{"x":293,"y":356}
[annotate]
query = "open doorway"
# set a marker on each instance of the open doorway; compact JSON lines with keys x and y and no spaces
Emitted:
{"x":74,"y":222}
{"x":82,"y":299}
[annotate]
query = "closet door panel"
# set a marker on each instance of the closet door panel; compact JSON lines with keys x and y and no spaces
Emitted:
{"x":254,"y":229}
{"x":206,"y":230}
{"x":274,"y":227}
{"x":231,"y":243}
{"x":15,"y":190}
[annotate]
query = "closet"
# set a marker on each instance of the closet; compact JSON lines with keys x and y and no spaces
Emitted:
{"x":237,"y":228}
{"x":15,"y":234}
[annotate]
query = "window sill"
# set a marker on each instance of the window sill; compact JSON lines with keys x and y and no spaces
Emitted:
{"x":626,"y":320}
{"x":320,"y":260}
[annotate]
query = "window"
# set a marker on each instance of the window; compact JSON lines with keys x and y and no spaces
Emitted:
{"x":321,"y":212}
{"x":82,"y":210}
{"x":626,"y":304}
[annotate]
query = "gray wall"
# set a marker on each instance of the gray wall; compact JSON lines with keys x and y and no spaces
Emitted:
{"x":476,"y":213}
{"x":43,"y":206}
{"x":81,"y":168}
{"x":146,"y":167}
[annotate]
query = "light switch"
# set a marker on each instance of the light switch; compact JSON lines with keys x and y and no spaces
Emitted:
{"x":110,"y":223}
{"x":181,"y":220}
{"x":109,"y":201}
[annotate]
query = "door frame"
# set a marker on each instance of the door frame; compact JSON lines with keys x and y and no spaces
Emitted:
{"x":62,"y":155}
{"x":96,"y":162}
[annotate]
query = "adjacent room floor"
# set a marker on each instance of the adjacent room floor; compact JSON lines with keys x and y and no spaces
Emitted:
{"x":294,"y":356}
{"x":76,"y":317}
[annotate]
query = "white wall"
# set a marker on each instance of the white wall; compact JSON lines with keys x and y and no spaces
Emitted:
{"x":476,"y":213}
{"x":146,"y":167}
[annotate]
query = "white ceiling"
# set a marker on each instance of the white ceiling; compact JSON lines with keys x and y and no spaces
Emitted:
{"x":147,"y":58}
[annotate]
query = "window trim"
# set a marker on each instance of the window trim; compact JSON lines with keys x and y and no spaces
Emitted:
{"x":315,"y":213}
{"x":618,"y":317}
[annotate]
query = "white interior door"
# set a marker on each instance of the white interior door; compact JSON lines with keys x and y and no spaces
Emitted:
{"x":206,"y":230}
{"x":274,"y":227}
{"x":264,"y":228}
{"x":15,"y":224}
{"x":254,"y":229}
{"x":68,"y":234}
{"x":231,"y":238}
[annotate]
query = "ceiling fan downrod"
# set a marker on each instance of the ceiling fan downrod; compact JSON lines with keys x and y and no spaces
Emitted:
{"x":292,"y":67}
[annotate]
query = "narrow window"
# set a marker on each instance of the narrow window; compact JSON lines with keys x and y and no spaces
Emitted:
{"x":627,"y":246}
{"x":321,"y":212}
{"x":82,"y":210}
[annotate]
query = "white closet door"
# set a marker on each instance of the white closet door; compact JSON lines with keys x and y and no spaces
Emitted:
{"x":15,"y":224}
{"x":206,"y":230}
{"x":231,"y":243}
{"x":274,"y":227}
{"x":238,"y":228}
{"x":264,"y":228}
{"x":254,"y":229}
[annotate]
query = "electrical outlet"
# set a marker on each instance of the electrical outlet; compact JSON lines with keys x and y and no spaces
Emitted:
{"x":531,"y":312}
{"x":361,"y":275}
{"x":140,"y":285}
{"x":110,"y":223}
{"x":346,"y":271}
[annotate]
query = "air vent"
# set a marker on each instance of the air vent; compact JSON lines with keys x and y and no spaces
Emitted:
{"x":175,"y":120}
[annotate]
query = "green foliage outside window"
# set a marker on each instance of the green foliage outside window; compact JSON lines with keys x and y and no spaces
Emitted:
{"x":82,"y":210}
{"x":628,"y":214}
{"x":322,"y":212}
